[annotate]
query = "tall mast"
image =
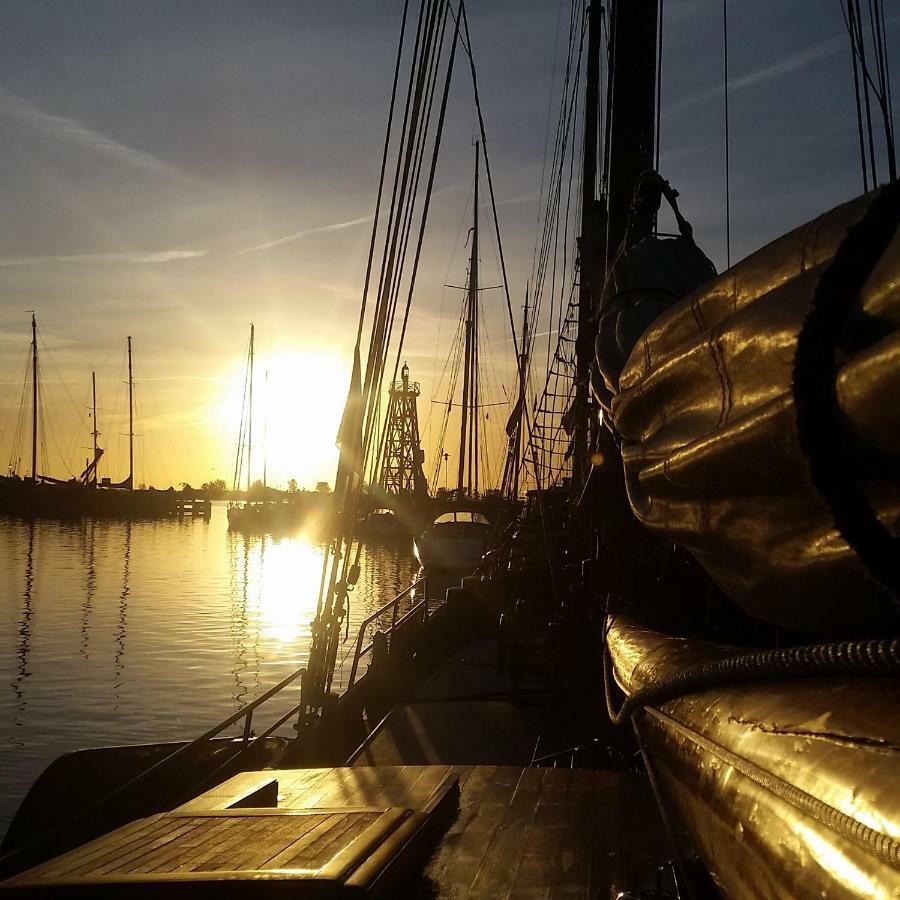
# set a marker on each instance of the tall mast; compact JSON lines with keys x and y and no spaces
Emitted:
{"x":95,"y":434}
{"x":265,"y":432}
{"x":250,"y":412}
{"x":584,"y":343}
{"x":468,"y":433}
{"x":632,"y":109}
{"x":130,"y":419}
{"x":523,"y":368}
{"x":34,"y":398}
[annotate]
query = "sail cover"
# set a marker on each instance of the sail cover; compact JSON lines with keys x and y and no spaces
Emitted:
{"x":706,"y":409}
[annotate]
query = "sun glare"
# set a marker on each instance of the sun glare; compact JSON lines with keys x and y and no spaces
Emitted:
{"x":298,"y":399}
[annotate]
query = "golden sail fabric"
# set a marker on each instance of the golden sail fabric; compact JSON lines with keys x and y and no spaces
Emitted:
{"x":705,"y":409}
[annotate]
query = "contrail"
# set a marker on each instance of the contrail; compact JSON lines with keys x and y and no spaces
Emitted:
{"x":298,"y":235}
{"x":121,"y":257}
{"x":28,"y":113}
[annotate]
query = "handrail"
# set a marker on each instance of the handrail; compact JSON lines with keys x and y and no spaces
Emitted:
{"x":245,"y":712}
{"x":391,"y":605}
{"x":248,"y":740}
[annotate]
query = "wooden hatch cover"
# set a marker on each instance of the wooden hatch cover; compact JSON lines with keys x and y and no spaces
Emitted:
{"x":255,"y":852}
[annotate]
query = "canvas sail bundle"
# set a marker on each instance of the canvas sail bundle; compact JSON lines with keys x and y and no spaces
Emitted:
{"x":706,"y":409}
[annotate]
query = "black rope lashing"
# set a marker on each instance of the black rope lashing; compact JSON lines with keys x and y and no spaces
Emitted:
{"x":819,"y":417}
{"x":857,"y":657}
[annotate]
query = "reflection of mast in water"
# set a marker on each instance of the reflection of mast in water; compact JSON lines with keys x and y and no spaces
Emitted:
{"x":90,"y":585}
{"x":121,"y":629}
{"x":24,"y":649}
{"x":239,"y":588}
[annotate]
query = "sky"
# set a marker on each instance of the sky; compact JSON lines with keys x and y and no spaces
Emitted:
{"x":174,"y":171}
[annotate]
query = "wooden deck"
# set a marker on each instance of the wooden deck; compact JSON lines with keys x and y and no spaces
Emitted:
{"x":468,"y":713}
{"x":393,"y":831}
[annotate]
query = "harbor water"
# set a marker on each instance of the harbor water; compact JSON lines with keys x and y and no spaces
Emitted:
{"x":127,"y":633}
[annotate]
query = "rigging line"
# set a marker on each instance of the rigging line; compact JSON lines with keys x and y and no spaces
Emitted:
{"x":876,"y":14}
{"x":420,"y":154}
{"x":537,"y":224}
{"x":429,"y":188}
{"x":389,"y":228}
{"x":887,"y":81}
{"x":659,"y":62}
{"x":727,"y":138}
{"x":391,"y":281}
{"x":567,"y":114}
{"x":384,"y":156}
{"x":420,"y":142}
{"x":399,"y":206}
{"x":856,"y":87}
{"x":544,"y":205}
{"x":856,"y":17}
{"x":487,"y":166}
{"x":423,"y":222}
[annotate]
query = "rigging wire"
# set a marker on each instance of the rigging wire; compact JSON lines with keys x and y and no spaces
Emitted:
{"x":727,"y":137}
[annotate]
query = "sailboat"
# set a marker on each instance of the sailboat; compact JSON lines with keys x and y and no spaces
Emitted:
{"x":258,"y":512}
{"x":457,"y":538}
{"x":697,"y":699}
{"x":43,"y":495}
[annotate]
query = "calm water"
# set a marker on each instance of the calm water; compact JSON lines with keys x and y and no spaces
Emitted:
{"x":118,"y":633}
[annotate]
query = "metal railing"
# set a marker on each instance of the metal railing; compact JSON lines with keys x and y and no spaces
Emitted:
{"x":247,"y":742}
{"x":397,"y":621}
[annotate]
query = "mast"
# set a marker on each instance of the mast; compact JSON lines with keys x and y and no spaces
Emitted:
{"x":95,"y":434}
{"x":632,"y":109}
{"x":34,"y":398}
{"x":250,"y":413}
{"x":468,"y":434}
{"x":584,"y":342}
{"x":523,"y":368}
{"x":130,"y":419}
{"x":265,"y":432}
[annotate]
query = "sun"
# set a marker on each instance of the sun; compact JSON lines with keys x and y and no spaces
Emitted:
{"x":298,"y":400}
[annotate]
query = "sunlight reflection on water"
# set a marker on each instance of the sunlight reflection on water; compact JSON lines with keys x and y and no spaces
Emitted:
{"x":120,"y":633}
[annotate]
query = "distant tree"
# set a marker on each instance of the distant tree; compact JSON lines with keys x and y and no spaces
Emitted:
{"x":257,"y":490}
{"x":322,"y":487}
{"x":215,"y":488}
{"x":292,"y":486}
{"x":185,"y":486}
{"x":142,"y":486}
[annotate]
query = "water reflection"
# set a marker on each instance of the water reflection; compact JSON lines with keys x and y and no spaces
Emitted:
{"x":129,"y":633}
{"x":122,"y":625}
{"x":90,"y":581}
{"x":23,"y":650}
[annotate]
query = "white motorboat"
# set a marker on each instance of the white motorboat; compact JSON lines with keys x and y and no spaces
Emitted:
{"x":456,"y":541}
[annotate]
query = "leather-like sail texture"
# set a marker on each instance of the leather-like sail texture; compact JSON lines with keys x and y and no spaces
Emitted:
{"x":712,"y":456}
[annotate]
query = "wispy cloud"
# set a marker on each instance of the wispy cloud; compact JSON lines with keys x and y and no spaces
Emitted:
{"x":799,"y":59}
{"x":306,"y":232}
{"x":24,"y":112}
{"x":123,"y":257}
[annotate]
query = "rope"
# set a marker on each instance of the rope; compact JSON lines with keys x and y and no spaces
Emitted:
{"x":858,"y":657}
{"x":820,"y":419}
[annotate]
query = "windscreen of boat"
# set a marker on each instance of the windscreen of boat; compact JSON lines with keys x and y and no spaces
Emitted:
{"x":462,"y":518}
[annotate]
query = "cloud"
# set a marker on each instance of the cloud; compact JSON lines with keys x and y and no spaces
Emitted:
{"x":306,"y":232}
{"x":791,"y":63}
{"x":27,"y":113}
{"x":141,"y":257}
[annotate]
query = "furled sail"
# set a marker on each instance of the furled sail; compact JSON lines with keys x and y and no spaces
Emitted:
{"x":706,"y":407}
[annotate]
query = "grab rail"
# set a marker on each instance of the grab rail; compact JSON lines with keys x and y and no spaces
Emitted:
{"x":247,"y":741}
{"x":394,"y":607}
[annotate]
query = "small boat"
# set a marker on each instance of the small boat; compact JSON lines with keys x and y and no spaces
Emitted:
{"x":455,"y":541}
{"x":381,"y":524}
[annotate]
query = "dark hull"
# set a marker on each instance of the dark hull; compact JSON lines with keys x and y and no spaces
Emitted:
{"x":75,"y":501}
